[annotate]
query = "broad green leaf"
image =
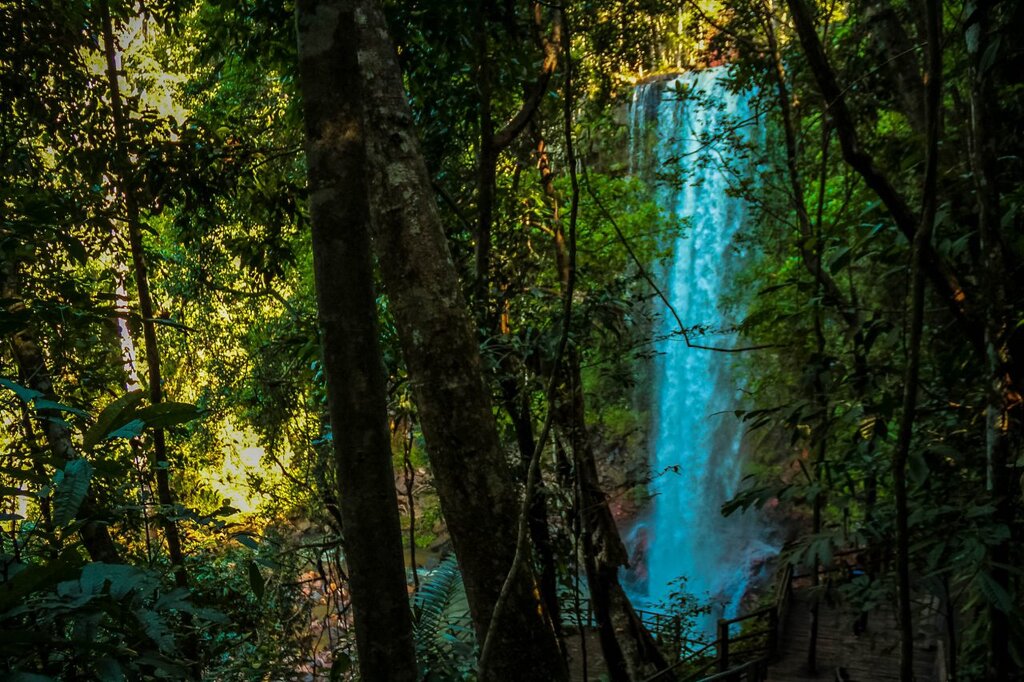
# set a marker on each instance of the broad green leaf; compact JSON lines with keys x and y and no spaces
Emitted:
{"x":156,"y":629}
{"x":211,"y":615}
{"x":38,"y":577}
{"x":75,"y":249}
{"x":341,"y":665}
{"x":109,"y":670}
{"x":132,"y":429}
{"x":176,"y":599}
{"x":44,"y":404}
{"x":24,"y":394}
{"x":71,"y":491}
{"x":163,"y":415}
{"x":917,"y":468}
{"x":247,"y":541}
{"x":256,"y":580}
{"x":994,"y":592}
{"x":116,"y":414}
{"x":122,"y":579}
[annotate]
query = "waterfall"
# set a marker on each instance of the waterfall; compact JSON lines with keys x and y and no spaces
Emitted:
{"x":684,"y":135}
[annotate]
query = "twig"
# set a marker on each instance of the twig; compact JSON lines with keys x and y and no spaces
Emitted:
{"x":650,"y":280}
{"x":552,"y":387}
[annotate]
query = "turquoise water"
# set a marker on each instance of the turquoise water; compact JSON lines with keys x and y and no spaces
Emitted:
{"x":684,"y":133}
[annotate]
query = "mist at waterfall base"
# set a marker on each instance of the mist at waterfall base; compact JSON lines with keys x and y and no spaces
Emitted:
{"x":678,"y":130}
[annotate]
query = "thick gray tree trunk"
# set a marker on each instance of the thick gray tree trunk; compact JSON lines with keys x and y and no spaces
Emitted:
{"x":353,"y":364}
{"x":475,"y":482}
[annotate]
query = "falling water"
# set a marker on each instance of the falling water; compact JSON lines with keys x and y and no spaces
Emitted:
{"x":685,"y":133}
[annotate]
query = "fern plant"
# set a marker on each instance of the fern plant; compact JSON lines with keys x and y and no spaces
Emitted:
{"x":443,"y":630}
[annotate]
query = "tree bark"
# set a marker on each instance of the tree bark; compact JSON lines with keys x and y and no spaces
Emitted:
{"x":922,"y":241}
{"x":28,"y":356}
{"x":627,"y":647}
{"x":152,"y":349}
{"x":518,"y":409}
{"x":471,"y":473}
{"x":353,"y":363}
{"x":999,"y":388}
{"x":938,"y":270}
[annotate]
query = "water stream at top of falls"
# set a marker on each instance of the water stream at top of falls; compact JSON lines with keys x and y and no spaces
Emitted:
{"x":684,"y":132}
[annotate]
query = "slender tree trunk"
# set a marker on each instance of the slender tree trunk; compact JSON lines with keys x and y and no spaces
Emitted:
{"x":487,"y":161}
{"x":152,"y":349}
{"x":28,"y":356}
{"x":471,"y":473}
{"x":938,"y":270}
{"x":983,"y":153}
{"x":628,"y":648}
{"x":921,"y":243}
{"x":353,"y":363}
{"x":409,"y":472}
{"x":518,"y":409}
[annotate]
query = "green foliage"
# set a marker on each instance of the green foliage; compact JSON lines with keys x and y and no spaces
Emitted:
{"x":214,"y":144}
{"x":445,"y":641}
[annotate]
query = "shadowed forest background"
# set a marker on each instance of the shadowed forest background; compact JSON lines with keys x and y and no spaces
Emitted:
{"x":336,"y":335}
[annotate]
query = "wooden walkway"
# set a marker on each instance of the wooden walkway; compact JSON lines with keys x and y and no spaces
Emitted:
{"x":871,"y":657}
{"x":771,"y":644}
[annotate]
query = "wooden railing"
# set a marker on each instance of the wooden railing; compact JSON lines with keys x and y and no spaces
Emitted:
{"x":733,"y":656}
{"x":740,"y":657}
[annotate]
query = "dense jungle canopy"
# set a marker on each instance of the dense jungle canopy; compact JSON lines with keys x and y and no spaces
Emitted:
{"x":335,"y":335}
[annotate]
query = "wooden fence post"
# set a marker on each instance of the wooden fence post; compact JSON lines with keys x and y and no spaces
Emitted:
{"x":677,"y":636}
{"x":723,"y":645}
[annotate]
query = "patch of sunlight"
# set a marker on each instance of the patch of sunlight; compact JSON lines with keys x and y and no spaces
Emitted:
{"x":242,"y":476}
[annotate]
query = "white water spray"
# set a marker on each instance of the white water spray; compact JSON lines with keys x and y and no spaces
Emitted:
{"x":684,"y":133}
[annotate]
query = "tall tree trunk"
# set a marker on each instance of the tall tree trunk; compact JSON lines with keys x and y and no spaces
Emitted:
{"x":518,"y":409}
{"x":921,"y":243}
{"x":152,"y":349}
{"x":983,"y":153}
{"x":627,"y":647}
{"x":487,"y":161}
{"x":353,"y":363}
{"x":28,"y":356}
{"x":945,"y":280}
{"x":472,"y":475}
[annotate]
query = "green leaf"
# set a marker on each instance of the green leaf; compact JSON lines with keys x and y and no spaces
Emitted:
{"x":35,"y":578}
{"x":341,"y":665}
{"x":132,"y":429}
{"x":156,"y":629}
{"x":44,"y":404}
{"x":163,"y":415}
{"x":994,"y":592}
{"x":256,"y":580}
{"x":840,"y":260}
{"x":211,"y":615}
{"x":75,"y":249}
{"x":71,"y":491}
{"x":122,"y":579}
{"x":109,"y":670}
{"x":248,"y":541}
{"x":116,"y":414}
{"x":24,"y":394}
{"x":917,"y":468}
